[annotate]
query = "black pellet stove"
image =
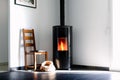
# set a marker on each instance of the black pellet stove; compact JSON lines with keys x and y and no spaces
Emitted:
{"x":62,"y":42}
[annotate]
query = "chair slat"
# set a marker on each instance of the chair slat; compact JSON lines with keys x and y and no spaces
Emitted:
{"x":28,"y":31}
{"x":29,"y":44}
{"x":28,"y":38}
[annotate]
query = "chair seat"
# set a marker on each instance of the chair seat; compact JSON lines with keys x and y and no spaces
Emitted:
{"x":41,"y":50}
{"x":37,"y":51}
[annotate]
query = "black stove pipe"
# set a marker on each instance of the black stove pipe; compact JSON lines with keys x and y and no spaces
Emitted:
{"x":62,"y":12}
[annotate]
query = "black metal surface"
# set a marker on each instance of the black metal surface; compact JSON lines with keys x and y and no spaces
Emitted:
{"x":62,"y":58}
{"x":62,"y":12}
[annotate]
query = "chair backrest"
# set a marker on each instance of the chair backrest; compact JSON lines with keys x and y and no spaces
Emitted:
{"x":29,"y":40}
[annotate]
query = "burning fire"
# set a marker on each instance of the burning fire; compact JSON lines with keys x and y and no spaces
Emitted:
{"x":62,"y":44}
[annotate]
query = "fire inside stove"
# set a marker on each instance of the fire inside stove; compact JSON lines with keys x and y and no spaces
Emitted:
{"x":62,"y":44}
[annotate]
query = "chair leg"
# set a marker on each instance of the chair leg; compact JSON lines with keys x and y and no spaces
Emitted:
{"x":46,"y":56}
{"x":35,"y":67}
{"x":25,"y":61}
{"x":34,"y":60}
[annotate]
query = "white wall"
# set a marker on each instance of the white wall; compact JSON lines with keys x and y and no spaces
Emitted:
{"x":3,"y":31}
{"x":116,"y":35}
{"x":41,"y":19}
{"x":91,"y":31}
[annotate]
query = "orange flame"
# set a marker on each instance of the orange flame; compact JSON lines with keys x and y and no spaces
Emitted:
{"x":62,"y":45}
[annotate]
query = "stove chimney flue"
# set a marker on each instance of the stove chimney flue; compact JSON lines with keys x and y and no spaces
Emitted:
{"x":62,"y":12}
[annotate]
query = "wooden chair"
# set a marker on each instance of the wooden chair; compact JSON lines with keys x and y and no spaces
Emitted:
{"x":30,"y":47}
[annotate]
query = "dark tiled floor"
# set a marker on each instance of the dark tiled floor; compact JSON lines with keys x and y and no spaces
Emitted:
{"x":60,"y":75}
{"x":72,"y":68}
